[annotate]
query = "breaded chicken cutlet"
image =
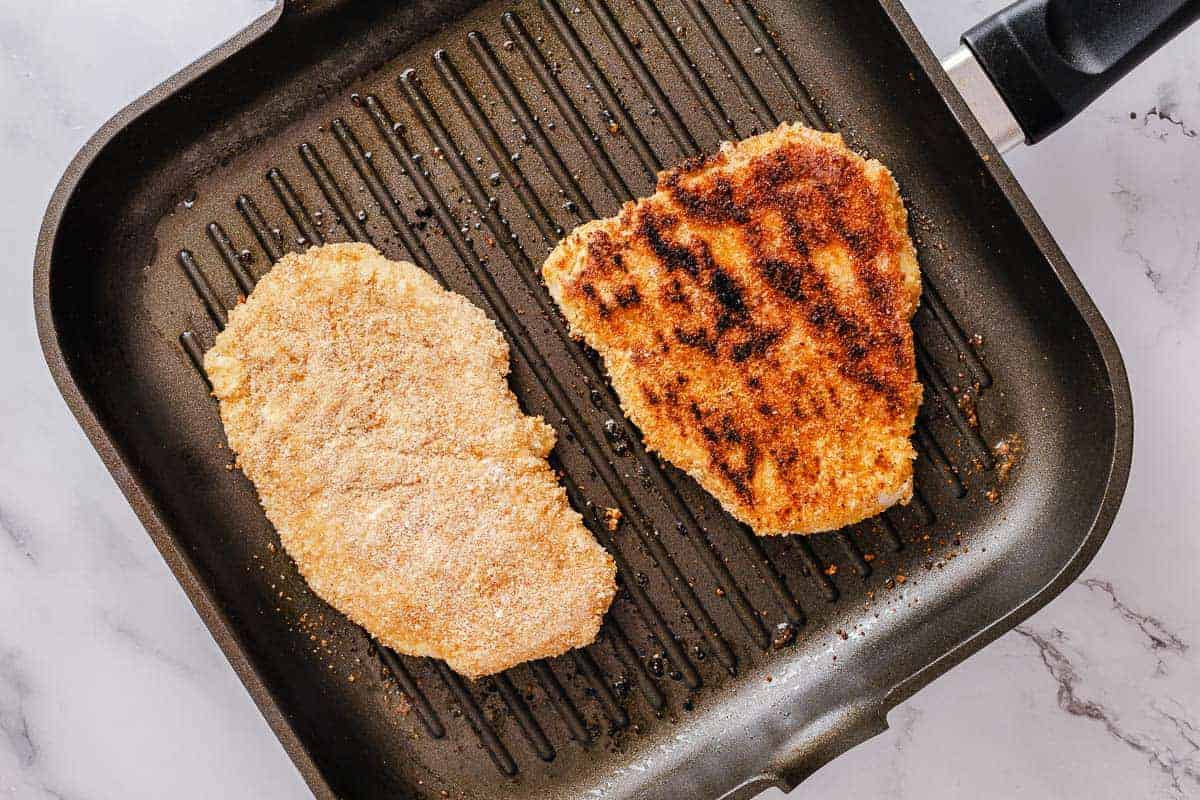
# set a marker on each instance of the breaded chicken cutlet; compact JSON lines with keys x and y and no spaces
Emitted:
{"x":753,"y":315}
{"x":369,"y":407}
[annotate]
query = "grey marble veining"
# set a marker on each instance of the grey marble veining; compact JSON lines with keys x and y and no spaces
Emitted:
{"x":111,"y":687}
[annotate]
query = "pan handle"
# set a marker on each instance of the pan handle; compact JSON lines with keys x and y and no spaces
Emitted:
{"x":1030,"y":68}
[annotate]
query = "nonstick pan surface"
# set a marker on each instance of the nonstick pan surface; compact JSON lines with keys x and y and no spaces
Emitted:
{"x":466,"y":137}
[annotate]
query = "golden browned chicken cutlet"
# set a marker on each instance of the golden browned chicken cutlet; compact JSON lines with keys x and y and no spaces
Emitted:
{"x":369,"y":407}
{"x":753,"y":315}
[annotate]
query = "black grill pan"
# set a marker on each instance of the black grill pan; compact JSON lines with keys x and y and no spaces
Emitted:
{"x":466,"y":137}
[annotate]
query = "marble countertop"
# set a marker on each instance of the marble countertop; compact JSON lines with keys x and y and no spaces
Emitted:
{"x":110,"y":686}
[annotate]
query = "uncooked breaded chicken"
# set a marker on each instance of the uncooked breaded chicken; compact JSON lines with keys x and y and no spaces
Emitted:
{"x":369,"y":407}
{"x":753,"y":315}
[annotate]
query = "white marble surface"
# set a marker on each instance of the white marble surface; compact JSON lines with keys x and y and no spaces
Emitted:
{"x":111,"y":687}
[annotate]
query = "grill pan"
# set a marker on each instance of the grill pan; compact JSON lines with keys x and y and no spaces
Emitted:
{"x":466,"y":137}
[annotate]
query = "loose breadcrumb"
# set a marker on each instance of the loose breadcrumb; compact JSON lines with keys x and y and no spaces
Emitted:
{"x":612,"y":518}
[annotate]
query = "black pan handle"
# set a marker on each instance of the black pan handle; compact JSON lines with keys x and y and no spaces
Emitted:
{"x":1048,"y":59}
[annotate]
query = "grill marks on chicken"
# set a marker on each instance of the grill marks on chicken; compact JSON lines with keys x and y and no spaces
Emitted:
{"x":754,"y":318}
